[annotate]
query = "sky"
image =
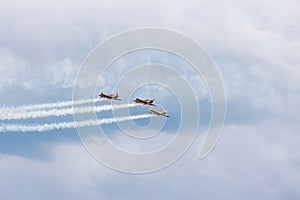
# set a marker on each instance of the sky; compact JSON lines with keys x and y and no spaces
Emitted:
{"x":255,"y":46}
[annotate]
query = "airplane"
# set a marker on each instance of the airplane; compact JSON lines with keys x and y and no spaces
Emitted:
{"x":110,"y":96}
{"x":145,"y":101}
{"x":162,"y":113}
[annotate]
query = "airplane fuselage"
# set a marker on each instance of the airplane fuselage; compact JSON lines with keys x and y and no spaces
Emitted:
{"x":145,"y":101}
{"x":110,"y":96}
{"x":161,"y":113}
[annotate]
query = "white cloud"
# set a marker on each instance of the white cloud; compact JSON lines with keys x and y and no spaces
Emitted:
{"x":62,"y":74}
{"x":263,"y":159}
{"x":255,"y":44}
{"x":18,"y":72}
{"x":11,"y":68}
{"x":69,"y":173}
{"x":240,"y":36}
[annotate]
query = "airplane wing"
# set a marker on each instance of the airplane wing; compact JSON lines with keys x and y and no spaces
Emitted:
{"x":105,"y":96}
{"x":137,"y":100}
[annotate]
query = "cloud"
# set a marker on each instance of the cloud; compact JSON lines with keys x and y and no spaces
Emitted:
{"x":267,"y":163}
{"x":255,"y":45}
{"x":19,"y":74}
{"x":54,"y":44}
{"x":255,"y":51}
{"x":68,"y":172}
{"x":10,"y":69}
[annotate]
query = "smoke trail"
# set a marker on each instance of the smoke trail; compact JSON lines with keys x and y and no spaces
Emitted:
{"x":62,"y":112}
{"x":48,"y":105}
{"x":67,"y":125}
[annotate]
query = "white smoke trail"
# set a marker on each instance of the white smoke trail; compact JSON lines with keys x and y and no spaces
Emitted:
{"x":48,"y":105}
{"x":62,"y":112}
{"x":67,"y":125}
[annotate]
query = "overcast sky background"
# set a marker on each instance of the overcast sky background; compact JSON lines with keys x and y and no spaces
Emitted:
{"x":256,"y":47}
